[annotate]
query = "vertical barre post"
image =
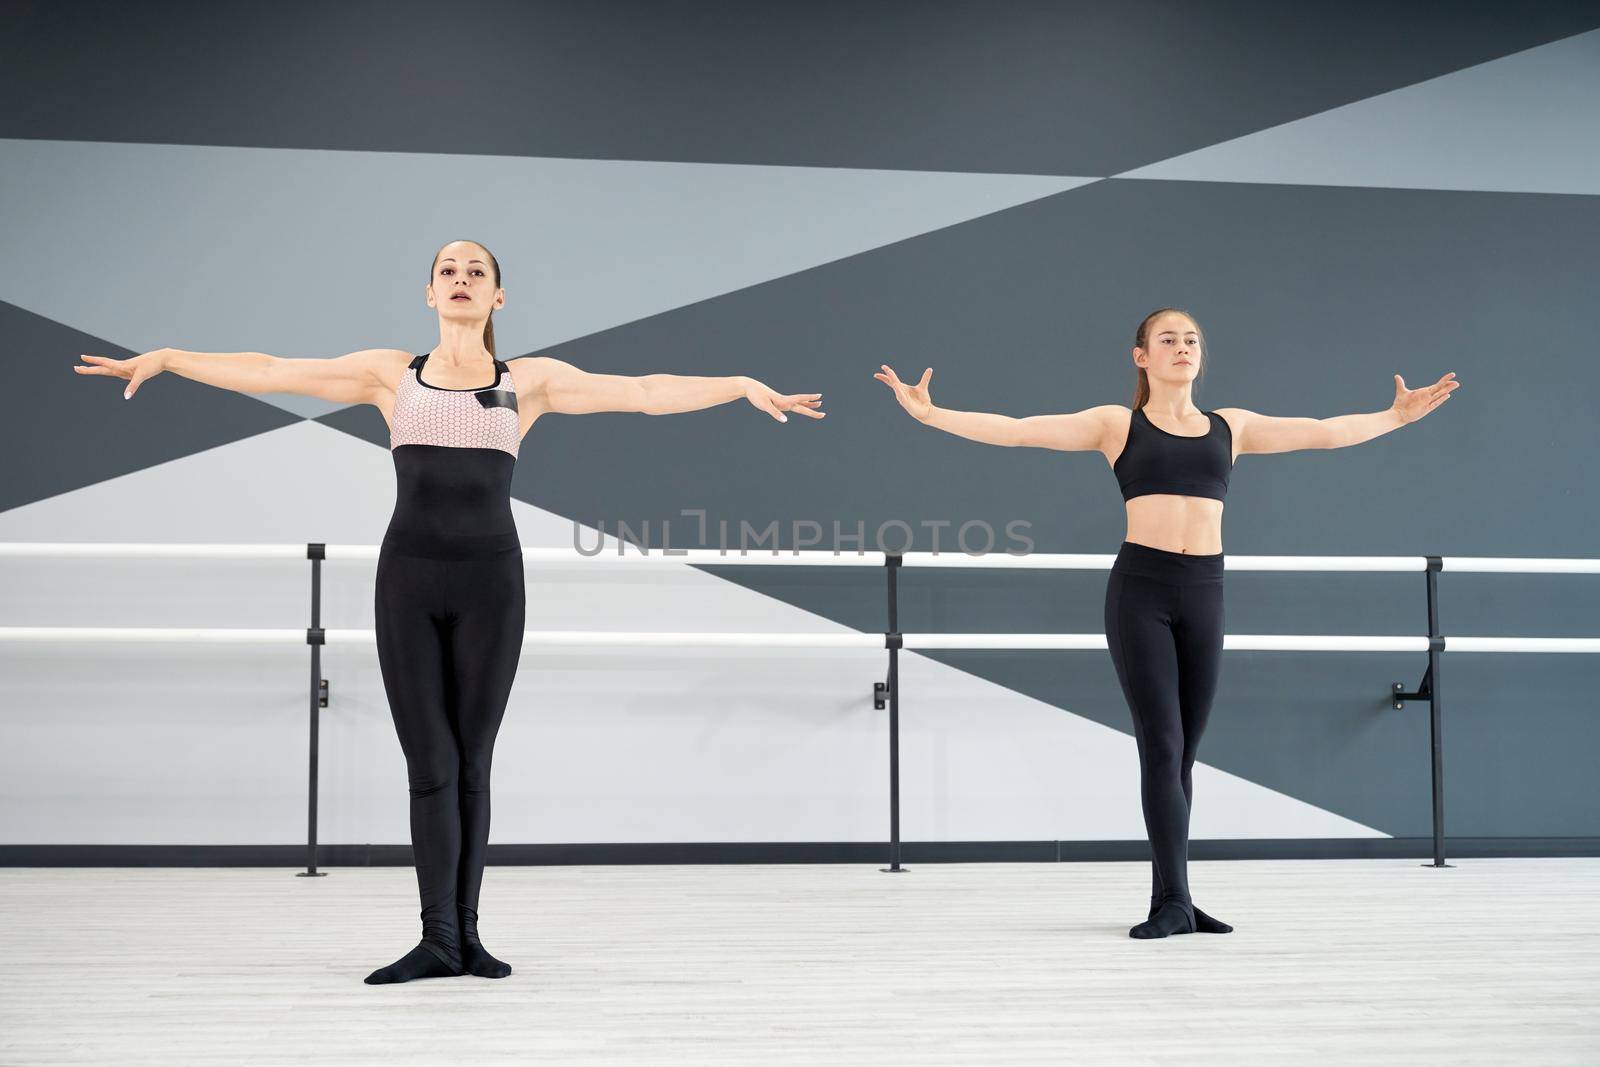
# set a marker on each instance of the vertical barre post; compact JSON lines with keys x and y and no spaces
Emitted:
{"x":892,"y":640}
{"x":1435,"y":711}
{"x":314,"y":637}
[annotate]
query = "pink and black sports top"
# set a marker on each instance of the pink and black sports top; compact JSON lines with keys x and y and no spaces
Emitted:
{"x":1156,"y":461}
{"x":454,"y":452}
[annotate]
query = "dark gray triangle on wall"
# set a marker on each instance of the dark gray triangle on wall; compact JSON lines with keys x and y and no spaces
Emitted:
{"x":85,"y":427}
{"x":1312,"y":297}
{"x":1084,"y":88}
{"x":359,"y":420}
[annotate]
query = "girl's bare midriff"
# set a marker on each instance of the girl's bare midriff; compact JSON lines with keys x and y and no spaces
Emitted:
{"x":1191,"y":524}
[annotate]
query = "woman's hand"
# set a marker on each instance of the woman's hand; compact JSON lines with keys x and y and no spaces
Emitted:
{"x":914,"y":398}
{"x":775,"y":404}
{"x":1412,"y":404}
{"x":135,"y":368}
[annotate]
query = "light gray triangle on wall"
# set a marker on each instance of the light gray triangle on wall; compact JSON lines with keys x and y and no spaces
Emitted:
{"x":317,"y":253}
{"x":1529,"y":122}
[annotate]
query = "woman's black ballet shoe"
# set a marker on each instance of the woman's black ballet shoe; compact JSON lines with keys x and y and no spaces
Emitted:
{"x":475,"y":960}
{"x":1203,"y":923}
{"x":1171,"y":918}
{"x":424,"y":961}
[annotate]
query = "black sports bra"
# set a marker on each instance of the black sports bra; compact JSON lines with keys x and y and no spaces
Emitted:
{"x":1156,"y":461}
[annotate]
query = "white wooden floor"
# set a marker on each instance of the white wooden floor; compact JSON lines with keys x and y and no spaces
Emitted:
{"x":1333,"y":962}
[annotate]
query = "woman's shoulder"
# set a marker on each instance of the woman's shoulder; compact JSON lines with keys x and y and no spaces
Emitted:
{"x":1235,"y":418}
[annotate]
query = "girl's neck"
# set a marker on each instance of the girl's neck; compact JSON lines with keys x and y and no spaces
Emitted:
{"x":461,"y":349}
{"x":1176,"y":404}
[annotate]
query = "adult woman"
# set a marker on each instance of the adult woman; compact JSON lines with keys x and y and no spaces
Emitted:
{"x":1164,"y":604}
{"x":449,"y":594}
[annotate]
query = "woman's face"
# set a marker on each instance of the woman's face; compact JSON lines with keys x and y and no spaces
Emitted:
{"x":1172,"y":349}
{"x":463,"y":286}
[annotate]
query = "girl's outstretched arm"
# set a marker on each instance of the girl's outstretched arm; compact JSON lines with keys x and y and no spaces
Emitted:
{"x":561,"y":387}
{"x":1266,"y":433}
{"x":349,"y":379}
{"x":1077,"y":431}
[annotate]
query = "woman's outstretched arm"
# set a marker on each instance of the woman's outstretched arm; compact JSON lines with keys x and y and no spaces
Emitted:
{"x":560,"y":387}
{"x":1077,"y":431}
{"x":1266,"y":433}
{"x":349,"y":379}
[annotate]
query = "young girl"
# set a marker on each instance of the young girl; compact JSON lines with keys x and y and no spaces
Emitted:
{"x":1163,"y":607}
{"x":449,"y":595}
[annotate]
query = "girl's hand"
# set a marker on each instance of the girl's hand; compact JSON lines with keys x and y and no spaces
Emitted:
{"x":914,"y":398}
{"x":775,"y":404}
{"x":135,"y":368}
{"x":1412,"y":404}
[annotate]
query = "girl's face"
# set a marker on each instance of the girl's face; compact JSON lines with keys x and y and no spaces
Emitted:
{"x":463,"y":286}
{"x":1172,"y":349}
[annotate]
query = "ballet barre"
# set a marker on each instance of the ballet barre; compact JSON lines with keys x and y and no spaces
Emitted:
{"x":787,"y":639}
{"x":633,"y":556}
{"x":1434,"y":642}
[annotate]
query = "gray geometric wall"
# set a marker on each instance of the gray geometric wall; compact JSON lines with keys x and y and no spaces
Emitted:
{"x":1338,"y":192}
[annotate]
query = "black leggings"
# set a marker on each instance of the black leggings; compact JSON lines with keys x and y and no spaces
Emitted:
{"x":1164,"y":628}
{"x":449,"y":639}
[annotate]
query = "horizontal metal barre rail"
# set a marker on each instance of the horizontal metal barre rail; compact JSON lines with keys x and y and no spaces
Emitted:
{"x":874,"y":641}
{"x":707,"y":556}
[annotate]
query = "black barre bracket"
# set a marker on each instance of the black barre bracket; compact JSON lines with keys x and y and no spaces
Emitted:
{"x":880,"y":690}
{"x":1424,"y":690}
